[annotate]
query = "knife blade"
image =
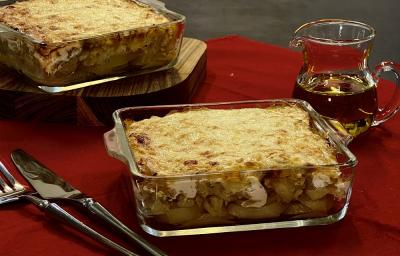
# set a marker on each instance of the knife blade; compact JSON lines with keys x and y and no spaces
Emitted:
{"x":45,"y":182}
{"x":51,"y":186}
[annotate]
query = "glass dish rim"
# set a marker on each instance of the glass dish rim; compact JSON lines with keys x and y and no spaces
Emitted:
{"x":331,"y":133}
{"x":177,"y":18}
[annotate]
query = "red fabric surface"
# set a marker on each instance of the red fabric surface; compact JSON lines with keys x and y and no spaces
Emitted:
{"x":238,"y":69}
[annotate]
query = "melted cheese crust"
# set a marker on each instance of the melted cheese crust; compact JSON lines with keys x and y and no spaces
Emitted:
{"x":208,"y":140}
{"x":65,"y":20}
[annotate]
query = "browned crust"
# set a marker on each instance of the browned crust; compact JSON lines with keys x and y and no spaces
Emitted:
{"x":67,"y":20}
{"x":208,"y":140}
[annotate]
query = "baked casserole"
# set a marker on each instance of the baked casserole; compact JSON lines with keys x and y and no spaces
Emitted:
{"x":233,"y":166}
{"x":59,"y":42}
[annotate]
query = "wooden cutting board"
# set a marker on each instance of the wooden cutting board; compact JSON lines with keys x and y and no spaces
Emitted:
{"x":20,"y":99}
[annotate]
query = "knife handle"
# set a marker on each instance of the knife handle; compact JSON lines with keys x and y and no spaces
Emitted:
{"x":60,"y":213}
{"x":97,"y":209}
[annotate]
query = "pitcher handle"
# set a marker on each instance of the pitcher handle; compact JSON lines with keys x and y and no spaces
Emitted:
{"x":393,"y":106}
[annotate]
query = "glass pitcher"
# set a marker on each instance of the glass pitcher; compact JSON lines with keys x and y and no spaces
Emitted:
{"x":335,"y":78}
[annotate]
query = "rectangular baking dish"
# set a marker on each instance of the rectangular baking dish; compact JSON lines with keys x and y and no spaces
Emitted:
{"x":95,"y":59}
{"x":180,"y":219}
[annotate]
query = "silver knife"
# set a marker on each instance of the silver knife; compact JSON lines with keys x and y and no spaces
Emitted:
{"x":50,"y":186}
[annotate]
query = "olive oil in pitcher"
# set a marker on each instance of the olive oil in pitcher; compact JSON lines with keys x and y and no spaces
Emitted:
{"x":350,"y":99}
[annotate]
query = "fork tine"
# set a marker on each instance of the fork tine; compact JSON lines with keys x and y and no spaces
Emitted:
{"x":9,"y":193}
{"x":7,"y":174}
{"x":4,"y":187}
{"x":14,"y":183}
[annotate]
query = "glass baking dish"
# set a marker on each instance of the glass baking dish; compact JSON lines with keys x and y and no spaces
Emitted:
{"x":201,"y":213}
{"x":71,"y":64}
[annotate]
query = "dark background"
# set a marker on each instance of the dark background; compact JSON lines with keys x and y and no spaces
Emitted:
{"x":274,"y":21}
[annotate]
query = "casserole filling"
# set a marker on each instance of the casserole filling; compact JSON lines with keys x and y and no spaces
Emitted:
{"x":75,"y":40}
{"x":219,"y":166}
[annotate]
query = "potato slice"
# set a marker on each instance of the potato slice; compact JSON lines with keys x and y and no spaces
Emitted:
{"x":268,"y":211}
{"x":207,"y":220}
{"x":215,"y":206}
{"x":297,"y":208}
{"x":156,"y":208}
{"x":317,"y":193}
{"x":180,"y":215}
{"x":184,"y":202}
{"x":284,"y":189}
{"x":322,"y":205}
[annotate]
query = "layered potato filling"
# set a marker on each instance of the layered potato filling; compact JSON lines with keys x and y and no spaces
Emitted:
{"x":221,"y":166}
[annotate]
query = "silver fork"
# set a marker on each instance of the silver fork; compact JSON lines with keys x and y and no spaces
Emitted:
{"x":14,"y":191}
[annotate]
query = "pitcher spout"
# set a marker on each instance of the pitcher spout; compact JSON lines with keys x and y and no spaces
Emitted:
{"x":296,"y":42}
{"x":300,"y":36}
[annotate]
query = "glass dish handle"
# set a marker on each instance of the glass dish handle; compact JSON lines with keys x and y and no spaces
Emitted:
{"x":393,"y":106}
{"x":113,"y":145}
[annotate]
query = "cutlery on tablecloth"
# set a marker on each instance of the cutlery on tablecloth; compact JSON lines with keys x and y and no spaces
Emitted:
{"x":11,"y":190}
{"x":50,"y":186}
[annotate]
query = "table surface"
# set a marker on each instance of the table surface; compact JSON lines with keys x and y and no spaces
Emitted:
{"x":238,"y":69}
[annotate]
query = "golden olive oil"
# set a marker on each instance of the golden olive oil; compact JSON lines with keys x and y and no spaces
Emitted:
{"x":350,"y":99}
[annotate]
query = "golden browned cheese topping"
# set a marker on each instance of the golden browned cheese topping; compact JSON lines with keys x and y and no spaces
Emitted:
{"x":65,"y":20}
{"x":207,"y":140}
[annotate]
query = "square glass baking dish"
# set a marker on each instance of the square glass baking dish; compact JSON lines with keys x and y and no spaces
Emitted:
{"x":70,"y":64}
{"x":206,"y":213}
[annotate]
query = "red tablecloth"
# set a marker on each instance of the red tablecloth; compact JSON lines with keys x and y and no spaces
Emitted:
{"x":238,"y":69}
